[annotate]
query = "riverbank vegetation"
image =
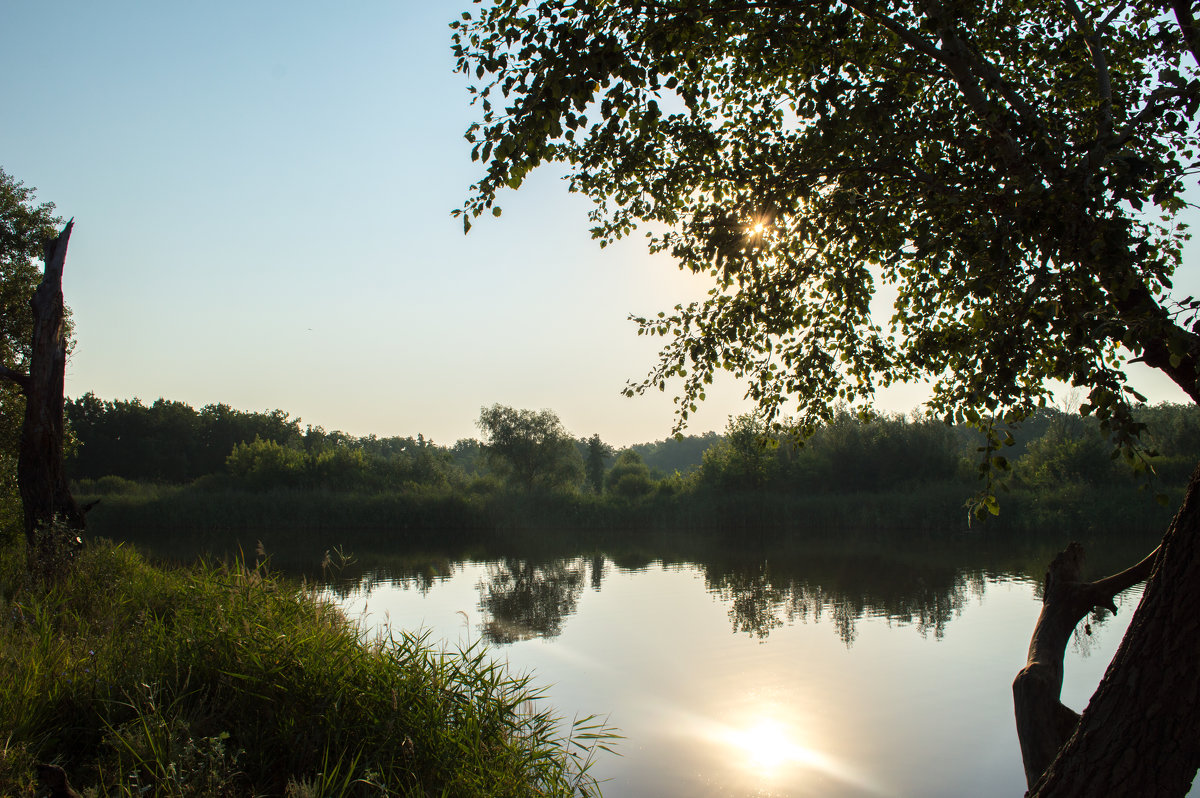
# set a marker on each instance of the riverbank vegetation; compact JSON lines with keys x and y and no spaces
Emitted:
{"x":225,"y":679}
{"x":159,"y":466}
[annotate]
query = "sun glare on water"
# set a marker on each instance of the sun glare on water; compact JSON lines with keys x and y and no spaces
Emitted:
{"x":769,"y":745}
{"x":770,"y":751}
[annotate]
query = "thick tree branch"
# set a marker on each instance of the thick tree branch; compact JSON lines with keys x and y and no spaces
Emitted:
{"x":1160,"y":101}
{"x":1103,"y":591}
{"x":966,"y":69}
{"x":1043,"y":723}
{"x":21,"y":379}
{"x":1139,"y":734}
{"x":1100,"y":64}
{"x":1153,"y":332}
{"x":1187,"y":25}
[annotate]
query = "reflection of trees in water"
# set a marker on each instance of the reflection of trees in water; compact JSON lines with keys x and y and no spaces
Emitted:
{"x":419,"y":575}
{"x":766,"y":582}
{"x":522,"y":599}
{"x":597,"y":570}
{"x":758,"y":605}
{"x":763,"y":596}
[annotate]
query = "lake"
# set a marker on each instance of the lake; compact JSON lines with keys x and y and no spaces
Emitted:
{"x":825,"y":667}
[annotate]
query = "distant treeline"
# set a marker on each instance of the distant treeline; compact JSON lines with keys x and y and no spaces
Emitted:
{"x":169,"y":442}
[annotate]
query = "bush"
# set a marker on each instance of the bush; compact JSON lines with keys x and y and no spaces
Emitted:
{"x":629,"y":477}
{"x":1069,"y":452}
{"x":266,"y":464}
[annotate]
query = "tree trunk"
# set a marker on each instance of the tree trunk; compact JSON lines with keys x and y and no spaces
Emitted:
{"x":53,"y":520}
{"x":1140,"y":733}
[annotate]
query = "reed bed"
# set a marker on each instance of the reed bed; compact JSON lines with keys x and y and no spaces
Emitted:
{"x":440,"y":517}
{"x":225,"y":679}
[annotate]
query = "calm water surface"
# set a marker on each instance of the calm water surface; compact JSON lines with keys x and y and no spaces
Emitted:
{"x":748,"y":681}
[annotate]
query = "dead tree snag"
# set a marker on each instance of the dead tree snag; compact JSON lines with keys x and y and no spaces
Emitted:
{"x":53,"y":521}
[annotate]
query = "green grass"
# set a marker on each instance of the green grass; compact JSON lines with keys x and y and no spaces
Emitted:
{"x":225,"y":680}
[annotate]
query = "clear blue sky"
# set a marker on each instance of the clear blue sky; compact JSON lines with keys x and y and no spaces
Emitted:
{"x":262,"y":195}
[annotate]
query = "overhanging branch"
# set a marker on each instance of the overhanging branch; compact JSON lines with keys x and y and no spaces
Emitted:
{"x":1103,"y":591}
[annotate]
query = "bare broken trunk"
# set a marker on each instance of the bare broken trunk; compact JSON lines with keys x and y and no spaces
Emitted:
{"x":53,"y":520}
{"x":1140,"y":734}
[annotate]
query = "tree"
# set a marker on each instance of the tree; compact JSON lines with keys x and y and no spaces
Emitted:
{"x":744,"y":460}
{"x":52,"y":519}
{"x":171,"y":441}
{"x":25,"y":226}
{"x":267,"y":464}
{"x":1012,"y":171}
{"x":598,"y":455}
{"x":1070,"y":452}
{"x":629,"y":477}
{"x":530,"y":448}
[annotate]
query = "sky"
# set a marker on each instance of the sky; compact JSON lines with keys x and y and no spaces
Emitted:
{"x":262,"y":197}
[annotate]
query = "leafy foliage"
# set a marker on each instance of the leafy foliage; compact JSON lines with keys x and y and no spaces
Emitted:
{"x":170,"y":442}
{"x":744,"y":460}
{"x":166,"y":441}
{"x":265,"y":464}
{"x":1069,"y":452}
{"x":531,"y":448}
{"x":596,"y":462}
{"x":1011,"y":172}
{"x":846,"y":454}
{"x":629,"y":478}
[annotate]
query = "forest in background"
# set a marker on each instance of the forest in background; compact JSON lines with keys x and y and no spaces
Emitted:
{"x":218,"y":465}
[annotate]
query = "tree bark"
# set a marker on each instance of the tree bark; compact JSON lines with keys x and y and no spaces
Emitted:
{"x":1140,"y":733}
{"x":1043,"y":723}
{"x":53,"y":520}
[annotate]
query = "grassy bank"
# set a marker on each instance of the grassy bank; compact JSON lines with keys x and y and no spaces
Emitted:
{"x":226,"y":680}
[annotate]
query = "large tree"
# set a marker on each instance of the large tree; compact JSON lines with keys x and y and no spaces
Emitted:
{"x":34,"y":340}
{"x":1010,"y":171}
{"x":531,"y":449}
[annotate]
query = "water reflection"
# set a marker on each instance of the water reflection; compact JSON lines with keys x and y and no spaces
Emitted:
{"x":526,"y":598}
{"x":770,"y":749}
{"x":521,"y":599}
{"x":421,"y":574}
{"x":822,"y":689}
{"x":765,"y":580}
{"x":764,"y":596}
{"x":767,"y":746}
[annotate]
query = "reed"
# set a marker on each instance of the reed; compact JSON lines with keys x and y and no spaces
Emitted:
{"x":298,"y":519}
{"x":229,"y":680}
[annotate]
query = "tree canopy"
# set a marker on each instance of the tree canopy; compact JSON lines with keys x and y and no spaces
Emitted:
{"x":530,"y":448}
{"x":1009,"y":174}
